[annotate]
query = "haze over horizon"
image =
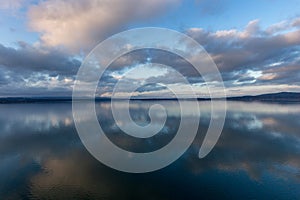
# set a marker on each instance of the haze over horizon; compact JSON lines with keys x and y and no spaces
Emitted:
{"x":255,"y":45}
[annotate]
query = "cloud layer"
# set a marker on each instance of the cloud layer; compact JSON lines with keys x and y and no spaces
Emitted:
{"x":251,"y":60}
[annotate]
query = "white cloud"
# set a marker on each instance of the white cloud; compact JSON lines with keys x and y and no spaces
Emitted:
{"x":81,"y":24}
{"x":283,"y":26}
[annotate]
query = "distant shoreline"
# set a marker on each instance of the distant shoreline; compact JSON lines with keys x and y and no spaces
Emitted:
{"x":274,"y":97}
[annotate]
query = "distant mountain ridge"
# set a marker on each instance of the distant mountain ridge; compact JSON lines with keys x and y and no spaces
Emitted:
{"x":277,"y":97}
{"x":282,"y":96}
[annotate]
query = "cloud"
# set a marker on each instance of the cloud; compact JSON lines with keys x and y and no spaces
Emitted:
{"x":253,"y":60}
{"x":283,"y":25}
{"x":38,"y":59}
{"x":289,"y":73}
{"x":29,"y":70}
{"x":237,"y":51}
{"x":3,"y":77}
{"x":80,"y":25}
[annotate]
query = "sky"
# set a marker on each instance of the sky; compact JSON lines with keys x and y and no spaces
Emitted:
{"x":255,"y":44}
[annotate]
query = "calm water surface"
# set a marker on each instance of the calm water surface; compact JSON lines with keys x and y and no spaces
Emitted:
{"x":256,"y":157}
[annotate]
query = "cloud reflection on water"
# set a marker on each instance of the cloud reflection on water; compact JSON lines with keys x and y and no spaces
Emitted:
{"x":42,"y":156}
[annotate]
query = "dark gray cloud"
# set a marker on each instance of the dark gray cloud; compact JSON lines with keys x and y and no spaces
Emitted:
{"x":3,"y":77}
{"x":29,"y":58}
{"x":289,"y":73}
{"x":151,"y":87}
{"x":28,"y":70}
{"x":233,"y":50}
{"x":156,"y":56}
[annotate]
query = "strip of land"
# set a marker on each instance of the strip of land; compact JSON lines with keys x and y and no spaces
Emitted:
{"x":274,"y":97}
